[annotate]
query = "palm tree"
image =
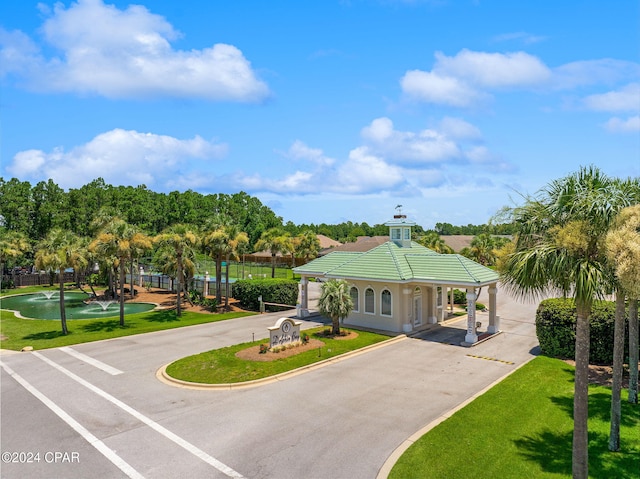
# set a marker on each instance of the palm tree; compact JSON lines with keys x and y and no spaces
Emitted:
{"x":623,"y":250}
{"x":182,"y":240}
{"x":306,"y":246}
{"x":121,"y":240}
{"x":12,"y":246}
{"x":559,"y":248}
{"x":484,"y":248}
{"x":238,"y":244}
{"x":216,"y":244}
{"x":335,"y":302}
{"x":57,"y":251}
{"x":433,"y":241}
{"x":223,"y":243}
{"x":165,"y":260}
{"x":275,"y":241}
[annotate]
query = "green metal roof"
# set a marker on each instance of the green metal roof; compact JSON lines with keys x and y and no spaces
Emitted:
{"x":325,"y":263}
{"x":390,"y":262}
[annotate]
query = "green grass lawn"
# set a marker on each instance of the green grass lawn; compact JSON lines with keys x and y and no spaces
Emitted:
{"x":221,"y":366}
{"x":41,"y":334}
{"x":522,"y":428}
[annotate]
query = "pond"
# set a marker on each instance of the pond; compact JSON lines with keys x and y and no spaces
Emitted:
{"x":46,"y":305}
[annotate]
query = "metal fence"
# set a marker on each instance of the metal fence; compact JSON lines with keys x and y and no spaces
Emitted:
{"x":205,"y":285}
{"x":38,"y":279}
{"x":147,"y":280}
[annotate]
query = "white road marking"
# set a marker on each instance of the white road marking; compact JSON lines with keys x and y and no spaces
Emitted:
{"x":149,"y":422}
{"x":79,"y":428}
{"x":89,"y":360}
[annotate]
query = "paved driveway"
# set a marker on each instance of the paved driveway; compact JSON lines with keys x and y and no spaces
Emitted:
{"x":102,"y":405}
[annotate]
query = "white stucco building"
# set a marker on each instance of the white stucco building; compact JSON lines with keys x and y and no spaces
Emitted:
{"x":401,"y":286}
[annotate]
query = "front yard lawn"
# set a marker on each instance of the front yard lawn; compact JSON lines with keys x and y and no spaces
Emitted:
{"x":16,"y":333}
{"x":523,"y":427}
{"x":222,"y":366}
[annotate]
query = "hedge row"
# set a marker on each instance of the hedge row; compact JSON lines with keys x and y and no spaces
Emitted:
{"x":556,"y":329}
{"x":272,"y":290}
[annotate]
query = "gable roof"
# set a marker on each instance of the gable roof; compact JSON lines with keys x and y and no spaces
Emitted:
{"x":326,"y":242}
{"x":361,"y":244}
{"x":390,"y":262}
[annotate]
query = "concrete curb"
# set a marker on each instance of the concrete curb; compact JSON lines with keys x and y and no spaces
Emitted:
{"x":162,"y":375}
{"x":384,"y":471}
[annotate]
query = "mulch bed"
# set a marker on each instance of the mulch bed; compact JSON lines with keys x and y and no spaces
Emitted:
{"x":166,"y":300}
{"x":253,"y":353}
{"x":602,"y":375}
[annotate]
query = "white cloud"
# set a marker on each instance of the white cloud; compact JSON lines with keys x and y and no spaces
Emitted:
{"x":300,"y":151}
{"x":364,"y":172}
{"x":18,"y":53}
{"x":493,"y":70}
{"x":127,"y":54}
{"x":121,"y":157}
{"x":594,"y":72}
{"x":458,"y":80}
{"x":618,"y":125}
{"x":624,"y":99}
{"x":426,"y":146}
{"x":434,"y":88}
{"x":469,"y":77}
{"x":524,"y":37}
{"x":459,"y":129}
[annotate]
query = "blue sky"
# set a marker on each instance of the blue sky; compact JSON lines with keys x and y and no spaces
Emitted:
{"x":326,"y":111}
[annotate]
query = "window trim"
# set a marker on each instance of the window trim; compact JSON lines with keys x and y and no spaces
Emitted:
{"x":356,"y":303}
{"x":382,"y":294}
{"x":373,"y":303}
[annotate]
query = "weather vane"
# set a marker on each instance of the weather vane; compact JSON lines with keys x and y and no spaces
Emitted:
{"x":399,"y":208}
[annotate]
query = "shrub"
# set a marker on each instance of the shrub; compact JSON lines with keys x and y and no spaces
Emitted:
{"x":556,"y":328}
{"x":459,"y":297}
{"x":272,"y":290}
{"x":479,"y":307}
{"x":264,"y":348}
{"x":201,"y":300}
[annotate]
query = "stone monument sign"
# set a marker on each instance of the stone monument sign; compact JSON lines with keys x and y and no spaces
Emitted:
{"x":285,"y":331}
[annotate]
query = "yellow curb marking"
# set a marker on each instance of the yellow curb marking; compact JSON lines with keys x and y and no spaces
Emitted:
{"x":490,"y":359}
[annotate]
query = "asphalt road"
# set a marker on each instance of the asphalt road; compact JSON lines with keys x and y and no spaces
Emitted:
{"x":97,"y":410}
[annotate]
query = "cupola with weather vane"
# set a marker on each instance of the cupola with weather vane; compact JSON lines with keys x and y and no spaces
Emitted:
{"x":400,"y":228}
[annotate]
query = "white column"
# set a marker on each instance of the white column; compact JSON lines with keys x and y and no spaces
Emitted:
{"x":304,"y":295}
{"x":433,"y":307}
{"x":407,"y":324}
{"x":441,"y":298}
{"x":140,"y":280}
{"x":451,"y":299}
{"x":471,"y":336}
{"x":206,"y":283}
{"x":494,"y":319}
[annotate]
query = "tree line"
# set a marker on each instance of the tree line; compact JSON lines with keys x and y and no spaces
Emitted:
{"x":34,"y":210}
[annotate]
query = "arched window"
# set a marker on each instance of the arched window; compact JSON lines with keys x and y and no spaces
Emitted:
{"x":355,"y":298}
{"x":369,"y":301}
{"x":386,"y":303}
